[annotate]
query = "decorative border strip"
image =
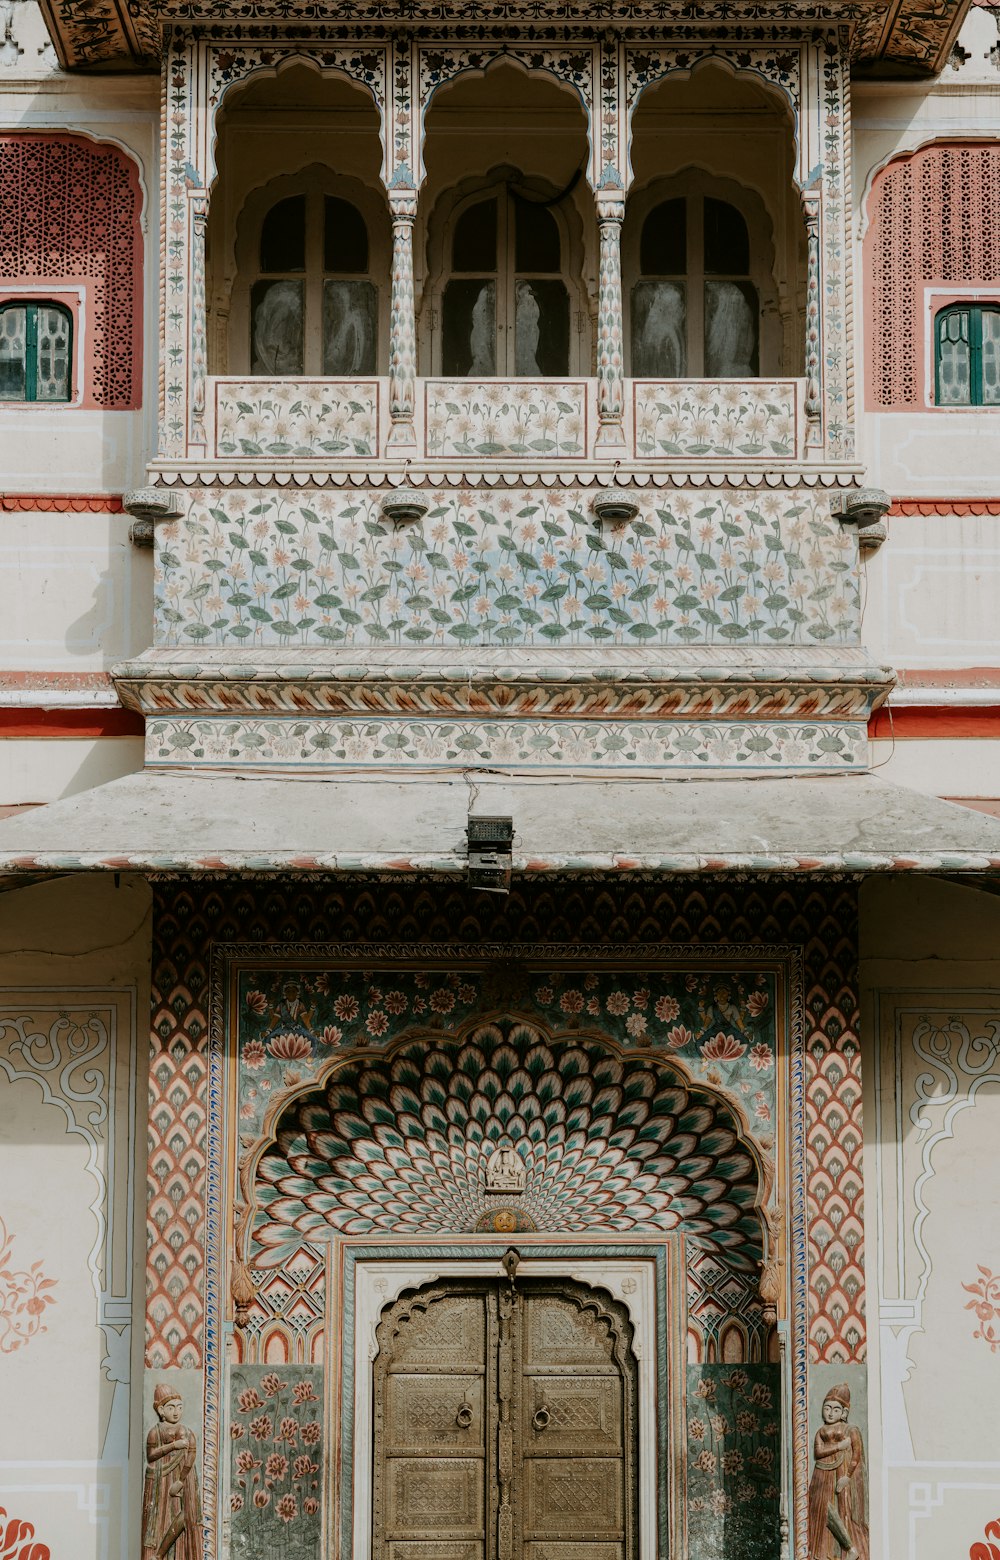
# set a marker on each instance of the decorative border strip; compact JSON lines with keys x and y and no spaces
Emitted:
{"x":62,"y":503}
{"x":279,"y":743}
{"x":944,"y":506}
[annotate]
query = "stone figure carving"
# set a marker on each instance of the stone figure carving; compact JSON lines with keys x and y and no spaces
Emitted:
{"x":838,"y":1529}
{"x":171,"y":1505}
{"x":505,"y":1171}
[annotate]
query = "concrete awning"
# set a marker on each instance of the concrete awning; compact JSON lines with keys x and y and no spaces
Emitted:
{"x":151,"y":822}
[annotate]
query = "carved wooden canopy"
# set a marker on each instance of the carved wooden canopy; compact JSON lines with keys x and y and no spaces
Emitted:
{"x":901,"y":38}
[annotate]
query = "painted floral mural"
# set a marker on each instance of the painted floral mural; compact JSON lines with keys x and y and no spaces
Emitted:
{"x":496,"y":419}
{"x":24,"y":1296}
{"x":715,"y":419}
{"x":733,"y":1461}
{"x":723,"y":567}
{"x":276,"y":1443}
{"x":296,"y":421}
{"x":985,"y":1302}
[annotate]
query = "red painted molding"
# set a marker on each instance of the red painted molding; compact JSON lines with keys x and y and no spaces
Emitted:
{"x":945,"y":506}
{"x":62,"y":503}
{"x":37,"y":723}
{"x":914,"y":722}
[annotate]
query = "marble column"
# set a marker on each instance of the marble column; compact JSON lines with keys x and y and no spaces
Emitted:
{"x":814,"y":387}
{"x":402,"y":322}
{"x":610,"y":321}
{"x":198,"y":321}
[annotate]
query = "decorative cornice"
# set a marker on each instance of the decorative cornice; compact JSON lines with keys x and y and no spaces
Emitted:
{"x":381,"y":475}
{"x":61,"y":503}
{"x":944,"y":506}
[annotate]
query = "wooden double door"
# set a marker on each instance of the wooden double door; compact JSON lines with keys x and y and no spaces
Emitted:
{"x":505,"y":1424}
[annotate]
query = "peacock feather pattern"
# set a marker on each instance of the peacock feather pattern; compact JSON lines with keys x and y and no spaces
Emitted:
{"x":397,"y":1143}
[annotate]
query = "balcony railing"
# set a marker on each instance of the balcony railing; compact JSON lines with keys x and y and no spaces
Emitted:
{"x":313,"y":422}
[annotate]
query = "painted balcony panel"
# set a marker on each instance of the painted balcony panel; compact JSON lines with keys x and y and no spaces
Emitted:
{"x":707,"y":419}
{"x":727,"y":566}
{"x":671,"y":422}
{"x":497,"y":420}
{"x":297,"y":419}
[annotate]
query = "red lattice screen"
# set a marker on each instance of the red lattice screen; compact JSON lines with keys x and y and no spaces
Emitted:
{"x":69,"y":212}
{"x":933,"y":221}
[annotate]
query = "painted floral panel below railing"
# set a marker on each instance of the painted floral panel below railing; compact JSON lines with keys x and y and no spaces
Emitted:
{"x":297,"y":419}
{"x":499,"y":419}
{"x":711,"y":419}
{"x":528,"y":566}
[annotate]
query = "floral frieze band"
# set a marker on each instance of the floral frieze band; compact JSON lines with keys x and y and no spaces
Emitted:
{"x":530,"y":567}
{"x":759,"y":747}
{"x":497,"y":419}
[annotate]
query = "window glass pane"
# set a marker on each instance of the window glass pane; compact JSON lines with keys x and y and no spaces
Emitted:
{"x":349,"y":328}
{"x":731,"y":330}
{"x":659,"y":330}
{"x":53,"y":354}
{"x":283,"y":236}
{"x":663,"y":246}
{"x":991,"y":357}
{"x":276,"y":328}
{"x":469,"y":331}
{"x":474,"y":247}
{"x":13,"y":347}
{"x":727,"y":242}
{"x":536,"y":238}
{"x":954,"y":358}
{"x":541,"y":328}
{"x":345,"y":237}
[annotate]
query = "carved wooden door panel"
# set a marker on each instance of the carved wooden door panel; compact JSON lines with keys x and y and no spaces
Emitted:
{"x":505,"y":1425}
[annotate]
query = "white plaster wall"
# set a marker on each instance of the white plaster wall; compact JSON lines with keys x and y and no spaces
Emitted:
{"x":46,"y":769}
{"x":77,"y":595}
{"x":74,"y":1004}
{"x":929,"y":453}
{"x":964,"y":766}
{"x":930,"y":593}
{"x":931,"y":955}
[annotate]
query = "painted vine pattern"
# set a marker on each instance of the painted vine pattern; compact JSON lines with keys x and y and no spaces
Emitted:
{"x":986,"y":1305}
{"x":24,"y":1296}
{"x":525,"y":568}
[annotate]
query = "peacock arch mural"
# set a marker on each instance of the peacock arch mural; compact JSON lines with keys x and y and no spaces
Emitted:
{"x":416,"y":1119}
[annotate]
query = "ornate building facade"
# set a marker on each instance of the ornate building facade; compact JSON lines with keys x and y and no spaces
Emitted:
{"x":499,"y":1003}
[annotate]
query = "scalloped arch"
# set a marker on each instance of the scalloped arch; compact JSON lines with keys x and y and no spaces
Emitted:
{"x":612,"y":1142}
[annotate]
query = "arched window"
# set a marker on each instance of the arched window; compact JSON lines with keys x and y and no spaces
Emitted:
{"x":505,"y":306}
{"x":695,"y":305}
{"x":36,"y":352}
{"x":313,"y":305}
{"x":967,"y":355}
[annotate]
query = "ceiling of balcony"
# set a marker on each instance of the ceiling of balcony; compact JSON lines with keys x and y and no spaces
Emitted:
{"x":899,"y":38}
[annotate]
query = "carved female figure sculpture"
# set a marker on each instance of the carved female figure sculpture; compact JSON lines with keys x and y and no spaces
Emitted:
{"x":171,"y":1506}
{"x":837,"y":1526}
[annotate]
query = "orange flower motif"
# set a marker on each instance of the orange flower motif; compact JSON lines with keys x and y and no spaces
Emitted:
{"x":722,"y":1048}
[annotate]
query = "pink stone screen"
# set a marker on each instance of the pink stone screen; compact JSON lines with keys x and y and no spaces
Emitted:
{"x":69,"y":213}
{"x":933,"y":222}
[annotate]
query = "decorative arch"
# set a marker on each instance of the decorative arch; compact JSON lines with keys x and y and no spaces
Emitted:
{"x":397,"y":1141}
{"x":576,"y":68}
{"x":366,"y":66}
{"x":778,"y":69}
{"x":70,"y":214}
